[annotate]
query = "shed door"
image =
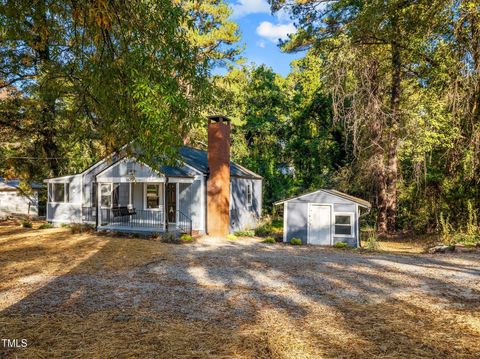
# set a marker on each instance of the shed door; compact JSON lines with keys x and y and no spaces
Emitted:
{"x":319,"y":225}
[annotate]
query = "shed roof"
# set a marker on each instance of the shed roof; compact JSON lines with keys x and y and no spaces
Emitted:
{"x":333,"y":192}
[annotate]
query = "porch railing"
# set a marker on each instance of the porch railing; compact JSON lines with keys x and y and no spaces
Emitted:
{"x":184,"y":224}
{"x":138,"y":218}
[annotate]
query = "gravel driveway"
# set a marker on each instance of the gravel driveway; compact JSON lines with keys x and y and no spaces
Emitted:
{"x":215,"y":278}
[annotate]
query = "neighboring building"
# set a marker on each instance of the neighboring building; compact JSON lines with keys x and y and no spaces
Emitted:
{"x":13,"y":201}
{"x":323,"y":217}
{"x":204,"y":193}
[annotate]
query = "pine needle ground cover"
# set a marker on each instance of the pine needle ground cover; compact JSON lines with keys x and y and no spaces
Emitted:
{"x":92,"y":296}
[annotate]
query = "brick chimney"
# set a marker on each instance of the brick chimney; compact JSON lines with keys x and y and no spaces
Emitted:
{"x":218,"y":184}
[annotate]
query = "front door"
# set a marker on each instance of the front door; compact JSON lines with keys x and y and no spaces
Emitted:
{"x":172,"y":202}
{"x":319,"y":225}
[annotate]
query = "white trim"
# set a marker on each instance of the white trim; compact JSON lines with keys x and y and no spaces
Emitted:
{"x":130,"y":194}
{"x":67,"y":203}
{"x":50,"y":194}
{"x":357,"y":224}
{"x":128,"y":179}
{"x":99,"y":195}
{"x":59,"y":179}
{"x":285,"y":221}
{"x":310,"y":204}
{"x":203,"y":204}
{"x":159,"y":194}
{"x":352,"y":221}
{"x":177,"y":200}
{"x":180,"y":180}
{"x":320,"y":190}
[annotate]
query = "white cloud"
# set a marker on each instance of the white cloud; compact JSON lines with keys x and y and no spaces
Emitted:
{"x":261,"y":43}
{"x":273,"y":32}
{"x":245,"y":7}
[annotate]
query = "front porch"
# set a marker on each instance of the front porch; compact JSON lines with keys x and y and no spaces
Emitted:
{"x":137,"y":208}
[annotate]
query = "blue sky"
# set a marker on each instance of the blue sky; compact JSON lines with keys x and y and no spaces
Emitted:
{"x":260,"y":33}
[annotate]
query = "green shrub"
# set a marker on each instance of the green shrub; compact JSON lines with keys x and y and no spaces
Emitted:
{"x":244,"y":233}
{"x":340,"y":245}
{"x":186,"y":238}
{"x":64,"y":225}
{"x":264,"y":230}
{"x":46,"y":226}
{"x":26,"y":224}
{"x":372,"y":241}
{"x":231,"y":237}
{"x":296,"y":242}
{"x":76,"y":228}
{"x":269,"y":240}
{"x":169,"y":237}
{"x":466,"y":239}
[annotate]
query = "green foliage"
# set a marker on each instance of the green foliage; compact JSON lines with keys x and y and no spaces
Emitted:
{"x":45,"y":226}
{"x":296,"y":242}
{"x":26,"y":224}
{"x":84,"y":78}
{"x":446,"y":230}
{"x":264,"y":229}
{"x":76,"y":228}
{"x":269,"y":240}
{"x":231,"y":237}
{"x":372,"y":240}
{"x":65,"y":225}
{"x":186,"y":238}
{"x":245,"y":233}
{"x":340,"y":245}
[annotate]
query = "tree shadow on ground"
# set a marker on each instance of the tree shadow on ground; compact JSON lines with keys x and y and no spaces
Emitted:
{"x":242,"y":300}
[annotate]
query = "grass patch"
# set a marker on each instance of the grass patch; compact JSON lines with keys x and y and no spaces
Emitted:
{"x":269,"y":240}
{"x":232,"y":237}
{"x":341,"y":245}
{"x":245,"y":233}
{"x":186,"y":238}
{"x":45,"y":226}
{"x":27,"y":224}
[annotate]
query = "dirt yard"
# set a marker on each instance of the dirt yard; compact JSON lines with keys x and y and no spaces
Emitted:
{"x":91,"y":296}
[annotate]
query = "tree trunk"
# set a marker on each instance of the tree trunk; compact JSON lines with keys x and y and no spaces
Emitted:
{"x":392,"y":143}
{"x":47,"y":97}
{"x":376,"y":125}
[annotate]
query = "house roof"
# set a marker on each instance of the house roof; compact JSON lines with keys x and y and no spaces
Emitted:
{"x":14,"y":184}
{"x":198,"y":159}
{"x":333,"y":192}
{"x":194,"y":158}
{"x":171,"y":171}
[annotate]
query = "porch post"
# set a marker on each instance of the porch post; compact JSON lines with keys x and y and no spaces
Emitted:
{"x":98,"y":218}
{"x":165,"y":215}
{"x":130,"y":194}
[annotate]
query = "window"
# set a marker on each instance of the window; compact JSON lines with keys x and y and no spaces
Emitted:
{"x":153,"y":196}
{"x":106,"y":195}
{"x":249,"y":194}
{"x":58,"y":192}
{"x":344,"y":224}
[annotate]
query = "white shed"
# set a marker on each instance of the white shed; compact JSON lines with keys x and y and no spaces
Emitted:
{"x":323,"y":217}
